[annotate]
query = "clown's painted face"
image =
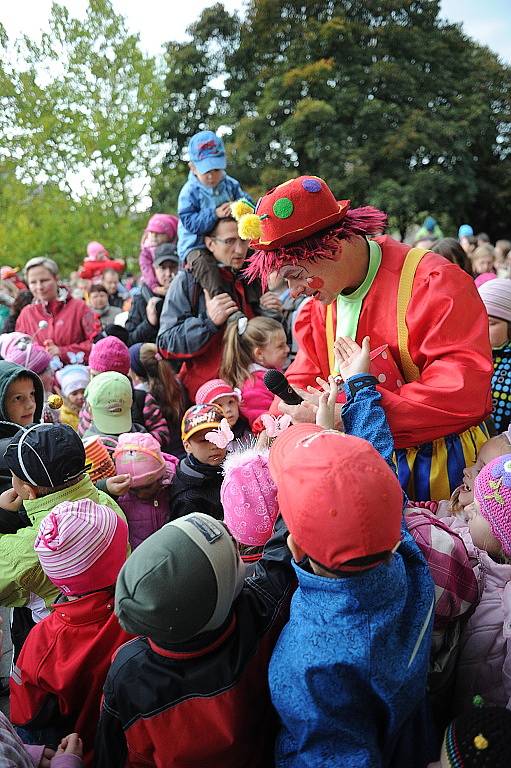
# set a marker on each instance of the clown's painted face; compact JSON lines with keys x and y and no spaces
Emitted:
{"x":325,"y":278}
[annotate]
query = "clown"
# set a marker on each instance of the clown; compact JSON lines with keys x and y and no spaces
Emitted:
{"x":424,"y":313}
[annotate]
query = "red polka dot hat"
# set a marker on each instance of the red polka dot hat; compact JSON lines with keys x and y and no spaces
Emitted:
{"x":288,"y":213}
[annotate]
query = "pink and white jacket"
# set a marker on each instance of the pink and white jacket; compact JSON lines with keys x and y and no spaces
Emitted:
{"x":484,"y":665}
{"x":256,"y":397}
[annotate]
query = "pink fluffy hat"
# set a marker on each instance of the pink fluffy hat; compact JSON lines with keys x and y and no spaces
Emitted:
{"x":249,"y":497}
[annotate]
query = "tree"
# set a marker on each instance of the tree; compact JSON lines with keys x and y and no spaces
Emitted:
{"x":78,"y":109}
{"x":382,"y":99}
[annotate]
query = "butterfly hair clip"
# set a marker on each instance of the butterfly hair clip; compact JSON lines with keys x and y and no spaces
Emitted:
{"x":222,"y":436}
{"x":274,"y":425}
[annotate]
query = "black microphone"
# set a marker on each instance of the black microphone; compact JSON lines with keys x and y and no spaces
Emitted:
{"x":276,"y":382}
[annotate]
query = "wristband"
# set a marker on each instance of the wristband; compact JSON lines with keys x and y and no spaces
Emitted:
{"x":363,"y":382}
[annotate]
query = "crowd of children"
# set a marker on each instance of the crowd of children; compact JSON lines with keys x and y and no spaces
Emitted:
{"x":198,"y":581}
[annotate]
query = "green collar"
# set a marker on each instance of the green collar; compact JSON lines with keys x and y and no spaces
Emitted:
{"x":83,"y":489}
{"x":374,"y":265}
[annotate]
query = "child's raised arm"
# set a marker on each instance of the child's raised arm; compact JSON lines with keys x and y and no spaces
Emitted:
{"x":363,"y":415}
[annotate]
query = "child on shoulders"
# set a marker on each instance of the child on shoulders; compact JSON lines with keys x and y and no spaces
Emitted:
{"x":203,"y":200}
{"x":161,"y":228}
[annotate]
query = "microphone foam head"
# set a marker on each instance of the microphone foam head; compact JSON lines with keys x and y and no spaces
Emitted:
{"x":273,"y":378}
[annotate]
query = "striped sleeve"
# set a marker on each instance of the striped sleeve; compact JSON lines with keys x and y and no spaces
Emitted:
{"x":154,"y":420}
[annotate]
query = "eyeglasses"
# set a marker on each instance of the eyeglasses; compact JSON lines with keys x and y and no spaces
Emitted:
{"x":229,"y":241}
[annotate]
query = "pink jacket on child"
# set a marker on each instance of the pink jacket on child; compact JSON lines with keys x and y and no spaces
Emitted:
{"x":145,"y":261}
{"x":256,"y":397}
{"x":146,"y":516}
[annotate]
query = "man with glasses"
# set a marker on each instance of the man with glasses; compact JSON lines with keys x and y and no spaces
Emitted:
{"x":192,"y":322}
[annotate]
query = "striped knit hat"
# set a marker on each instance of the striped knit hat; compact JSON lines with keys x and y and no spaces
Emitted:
{"x":82,"y":546}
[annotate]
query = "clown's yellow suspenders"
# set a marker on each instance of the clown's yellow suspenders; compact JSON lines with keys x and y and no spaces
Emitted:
{"x":404,"y":293}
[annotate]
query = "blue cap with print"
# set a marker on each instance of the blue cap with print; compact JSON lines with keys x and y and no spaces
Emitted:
{"x":207,"y":152}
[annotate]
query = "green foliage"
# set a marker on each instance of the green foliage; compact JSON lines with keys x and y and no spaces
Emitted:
{"x":44,"y":220}
{"x":386,"y":102}
{"x":78,"y":111}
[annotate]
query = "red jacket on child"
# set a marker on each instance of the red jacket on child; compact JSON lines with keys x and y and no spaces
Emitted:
{"x":62,"y":666}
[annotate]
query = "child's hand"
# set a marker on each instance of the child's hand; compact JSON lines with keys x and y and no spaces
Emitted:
{"x":223,"y":211}
{"x":71,"y":745}
{"x":51,"y":348}
{"x":10,"y":500}
{"x":118,"y":484}
{"x":159,"y":290}
{"x":350,"y":357}
{"x":47,"y":757}
{"x":325,"y":416}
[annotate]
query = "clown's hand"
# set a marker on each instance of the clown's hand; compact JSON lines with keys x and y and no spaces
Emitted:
{"x":305,"y":413}
{"x":350,"y":357}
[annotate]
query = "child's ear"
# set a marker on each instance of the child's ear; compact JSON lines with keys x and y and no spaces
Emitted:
{"x":258,"y":354}
{"x":187,"y":446}
{"x":28,"y":492}
{"x":296,"y":551}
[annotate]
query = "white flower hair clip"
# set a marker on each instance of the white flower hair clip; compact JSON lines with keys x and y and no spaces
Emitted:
{"x":242,"y":325}
{"x":274,"y":425}
{"x":222,"y":436}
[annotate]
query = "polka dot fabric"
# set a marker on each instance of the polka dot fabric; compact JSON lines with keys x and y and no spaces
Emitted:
{"x":501,"y":388}
{"x":296,"y":209}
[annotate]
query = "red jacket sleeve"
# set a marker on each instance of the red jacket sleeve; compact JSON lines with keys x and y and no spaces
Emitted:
{"x":87,"y":326}
{"x":449,"y":342}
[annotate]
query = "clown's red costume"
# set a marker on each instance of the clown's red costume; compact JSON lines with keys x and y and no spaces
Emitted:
{"x":423,"y":307}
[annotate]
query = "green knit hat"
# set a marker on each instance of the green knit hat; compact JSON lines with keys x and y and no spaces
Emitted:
{"x":180,"y":582}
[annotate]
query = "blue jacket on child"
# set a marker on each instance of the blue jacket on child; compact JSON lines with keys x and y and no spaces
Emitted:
{"x":196,"y":208}
{"x":348,"y":674}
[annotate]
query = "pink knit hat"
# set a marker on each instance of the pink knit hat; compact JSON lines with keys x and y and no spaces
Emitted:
{"x":138,"y":454}
{"x":249,"y":497}
{"x":213,"y":389}
{"x":496,"y":296}
{"x":82,"y":546}
{"x":31,"y":356}
{"x":163,"y":224}
{"x":110,"y":354}
{"x":96,"y":250}
{"x":492,"y":489}
{"x":484,"y":278}
{"x":9,"y":339}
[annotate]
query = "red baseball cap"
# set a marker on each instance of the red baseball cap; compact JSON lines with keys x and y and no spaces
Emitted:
{"x":338,"y":496}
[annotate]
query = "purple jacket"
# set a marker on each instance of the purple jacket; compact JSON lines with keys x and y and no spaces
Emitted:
{"x":145,"y":516}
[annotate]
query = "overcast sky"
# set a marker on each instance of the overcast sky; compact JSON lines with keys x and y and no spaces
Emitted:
{"x":158,"y":21}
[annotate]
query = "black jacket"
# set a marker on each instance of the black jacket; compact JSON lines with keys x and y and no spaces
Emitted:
{"x":195,"y":489}
{"x":206,"y":702}
{"x":138,"y":326}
